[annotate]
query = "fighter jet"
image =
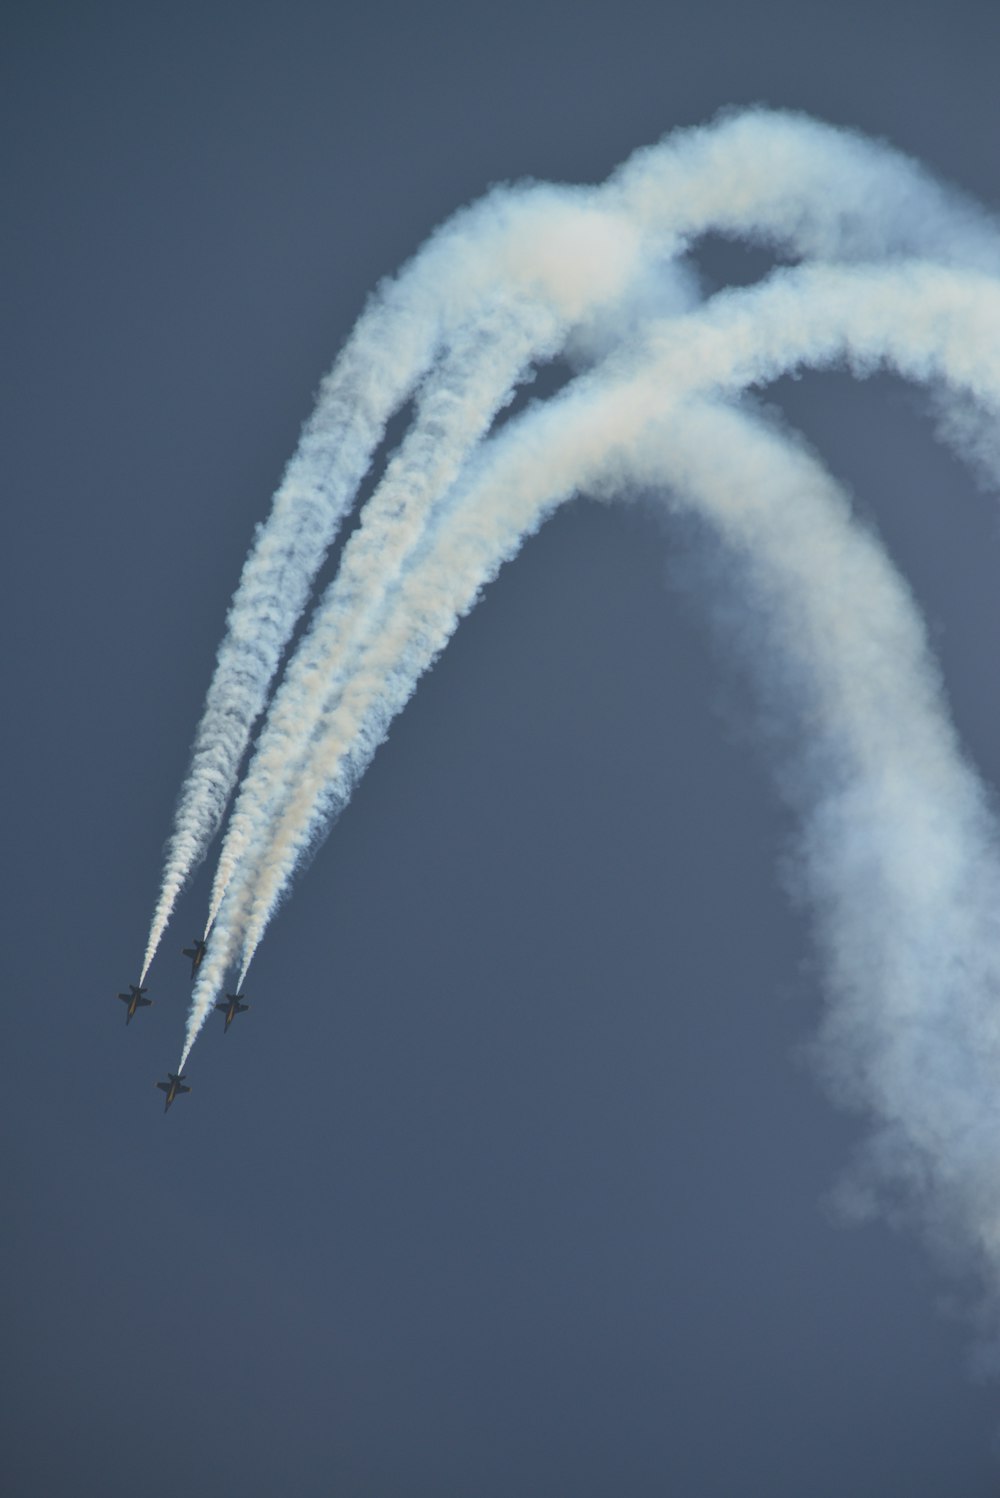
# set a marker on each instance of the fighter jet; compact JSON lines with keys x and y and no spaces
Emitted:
{"x":232,"y":1006}
{"x":196,"y":954}
{"x":135,"y":1000}
{"x":173,"y":1088}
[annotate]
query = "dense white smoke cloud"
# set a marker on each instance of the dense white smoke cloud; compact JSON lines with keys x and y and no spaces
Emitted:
{"x":771,"y":177}
{"x":547,"y":252}
{"x":898,"y":854}
{"x":929,"y":322}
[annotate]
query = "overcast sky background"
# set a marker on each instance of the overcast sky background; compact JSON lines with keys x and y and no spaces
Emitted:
{"x":513,"y":1180}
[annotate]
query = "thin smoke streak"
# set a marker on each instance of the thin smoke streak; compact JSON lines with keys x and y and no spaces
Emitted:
{"x":472,"y":262}
{"x":456,"y":408}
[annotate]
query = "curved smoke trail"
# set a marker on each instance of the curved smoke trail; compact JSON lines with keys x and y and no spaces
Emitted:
{"x":930,"y":323}
{"x":454,"y":413}
{"x":779,"y":178}
{"x":474,"y":262}
{"x":899,"y":853}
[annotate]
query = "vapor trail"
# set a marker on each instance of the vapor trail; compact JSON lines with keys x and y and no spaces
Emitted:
{"x":455,"y":409}
{"x":513,"y":243}
{"x":928,"y":322}
{"x":778,"y":178}
{"x":383,"y":360}
{"x":791,"y":182}
{"x":870,"y":201}
{"x":898,"y":852}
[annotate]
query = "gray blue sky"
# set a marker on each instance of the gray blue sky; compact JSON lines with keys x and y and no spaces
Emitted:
{"x":513,"y":1179}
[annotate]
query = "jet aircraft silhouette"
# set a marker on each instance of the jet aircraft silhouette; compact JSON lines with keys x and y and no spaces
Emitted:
{"x":135,"y":999}
{"x":232,"y":1006}
{"x":197,"y":956}
{"x":173,"y":1087}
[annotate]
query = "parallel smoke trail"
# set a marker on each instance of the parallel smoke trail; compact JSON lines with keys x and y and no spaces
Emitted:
{"x":928,"y":322}
{"x":871,"y":201}
{"x":898,"y":852}
{"x":454,"y":413}
{"x":385,"y":355}
{"x":472,"y":262}
{"x":779,"y":178}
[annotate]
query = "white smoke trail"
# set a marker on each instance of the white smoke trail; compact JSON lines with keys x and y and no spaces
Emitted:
{"x":928,"y":322}
{"x":871,"y":201}
{"x":209,"y":983}
{"x":463,"y":267}
{"x":899,"y":853}
{"x":781,"y":178}
{"x":379,"y":367}
{"x":454,"y":413}
{"x":792,"y":182}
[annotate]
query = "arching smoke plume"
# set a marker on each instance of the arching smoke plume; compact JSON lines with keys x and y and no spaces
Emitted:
{"x":899,"y":854}
{"x":930,"y":322}
{"x":771,"y":177}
